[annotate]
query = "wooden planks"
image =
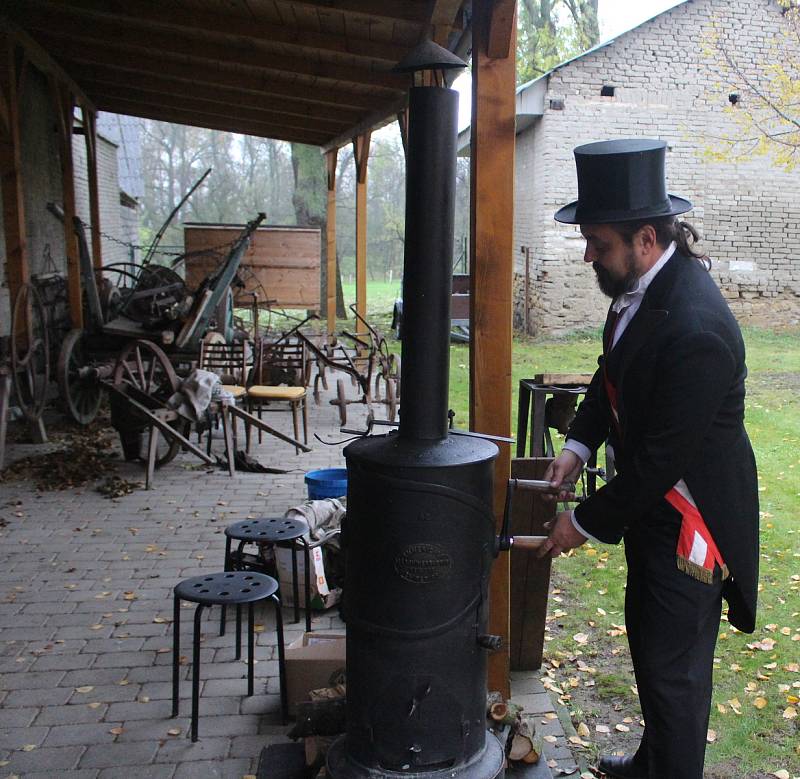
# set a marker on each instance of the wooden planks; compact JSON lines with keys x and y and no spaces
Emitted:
{"x":530,"y":576}
{"x":491,"y":221}
{"x":281,"y":265}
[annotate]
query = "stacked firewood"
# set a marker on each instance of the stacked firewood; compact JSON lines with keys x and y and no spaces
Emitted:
{"x":515,"y":729}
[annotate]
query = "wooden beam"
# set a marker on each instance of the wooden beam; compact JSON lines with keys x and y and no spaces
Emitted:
{"x":146,"y":15}
{"x":90,"y":136}
{"x":273,"y":118}
{"x":443,"y":19}
{"x":154,"y":44}
{"x":330,"y":238}
{"x":230,"y":125}
{"x":17,"y":268}
{"x":105,"y":57}
{"x":491,"y":238}
{"x":42,"y":59}
{"x":415,"y":11}
{"x":64,"y":102}
{"x":361,"y":157}
{"x":375,"y":120}
{"x":502,"y":29}
{"x":94,"y":79}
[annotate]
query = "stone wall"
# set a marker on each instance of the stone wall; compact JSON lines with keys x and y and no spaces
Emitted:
{"x":664,"y":87}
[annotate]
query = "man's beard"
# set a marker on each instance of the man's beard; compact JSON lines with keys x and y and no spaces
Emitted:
{"x":614,"y":286}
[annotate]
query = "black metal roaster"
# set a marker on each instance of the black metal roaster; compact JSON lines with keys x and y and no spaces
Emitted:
{"x":419,"y":535}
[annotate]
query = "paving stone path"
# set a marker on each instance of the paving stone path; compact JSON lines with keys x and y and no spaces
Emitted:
{"x":85,"y":621}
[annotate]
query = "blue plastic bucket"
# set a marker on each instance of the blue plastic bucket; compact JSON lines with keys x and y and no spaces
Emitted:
{"x":327,"y":483}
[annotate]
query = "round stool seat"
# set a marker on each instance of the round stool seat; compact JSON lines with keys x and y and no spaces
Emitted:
{"x":269,"y":530}
{"x":226,"y":588}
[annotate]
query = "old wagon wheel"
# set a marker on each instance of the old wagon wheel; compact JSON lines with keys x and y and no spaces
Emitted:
{"x":78,"y":387}
{"x":30,"y":355}
{"x":391,"y":399}
{"x":144,"y":372}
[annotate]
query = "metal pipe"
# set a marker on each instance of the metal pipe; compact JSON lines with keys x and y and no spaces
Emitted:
{"x":427,"y":280}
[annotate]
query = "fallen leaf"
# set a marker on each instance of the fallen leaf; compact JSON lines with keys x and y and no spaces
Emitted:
{"x":85,"y":689}
{"x":174,"y":731}
{"x":95,"y":705}
{"x":116,"y":731}
{"x":711,"y":736}
{"x":760,"y":702}
{"x":602,"y":728}
{"x":583,"y":730}
{"x":29,"y":747}
{"x":550,"y":739}
{"x":159,"y":620}
{"x":580,"y":638}
{"x":790,"y":712}
{"x":782,"y":774}
{"x":622,"y":728}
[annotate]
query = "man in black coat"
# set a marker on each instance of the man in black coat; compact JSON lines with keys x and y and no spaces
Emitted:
{"x":668,"y":397}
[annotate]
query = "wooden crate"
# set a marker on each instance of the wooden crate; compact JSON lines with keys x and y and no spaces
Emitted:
{"x":281,"y":265}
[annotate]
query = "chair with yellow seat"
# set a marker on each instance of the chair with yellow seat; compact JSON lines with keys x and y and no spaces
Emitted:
{"x":279,"y":359}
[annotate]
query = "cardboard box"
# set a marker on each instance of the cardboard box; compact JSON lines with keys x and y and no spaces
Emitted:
{"x":319,"y":583}
{"x":311,"y":661}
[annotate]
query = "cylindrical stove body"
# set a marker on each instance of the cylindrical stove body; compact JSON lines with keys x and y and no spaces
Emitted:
{"x":419,"y":539}
{"x":419,"y":535}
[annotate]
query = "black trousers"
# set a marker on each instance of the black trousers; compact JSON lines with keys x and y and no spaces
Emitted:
{"x":672,"y":622}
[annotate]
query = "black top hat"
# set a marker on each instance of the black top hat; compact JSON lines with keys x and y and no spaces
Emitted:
{"x":620,"y":181}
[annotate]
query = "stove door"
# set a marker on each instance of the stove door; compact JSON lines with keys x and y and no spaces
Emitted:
{"x":417,"y":724}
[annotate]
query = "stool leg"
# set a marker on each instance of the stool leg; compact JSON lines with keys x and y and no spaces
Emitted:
{"x":238,"y":631}
{"x":227,"y":568}
{"x":307,"y":552}
{"x":295,"y":583}
{"x":176,"y":654}
{"x":305,"y":420}
{"x":196,"y":670}
{"x":251,"y":648}
{"x":281,"y":658}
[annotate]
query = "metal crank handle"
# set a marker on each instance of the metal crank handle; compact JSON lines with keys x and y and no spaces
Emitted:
{"x":527,"y":543}
{"x":541,"y":485}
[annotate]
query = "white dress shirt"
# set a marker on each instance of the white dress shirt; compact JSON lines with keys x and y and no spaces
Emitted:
{"x":626,"y":306}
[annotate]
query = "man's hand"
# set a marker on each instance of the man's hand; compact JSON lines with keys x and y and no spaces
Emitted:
{"x":563,"y":536}
{"x":564,"y":470}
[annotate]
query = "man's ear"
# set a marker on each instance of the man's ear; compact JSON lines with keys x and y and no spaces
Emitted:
{"x":645,"y":239}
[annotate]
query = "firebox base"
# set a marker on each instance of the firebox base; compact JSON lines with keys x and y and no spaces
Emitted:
{"x":487,"y":765}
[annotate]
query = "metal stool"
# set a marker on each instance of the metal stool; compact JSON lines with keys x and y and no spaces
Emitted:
{"x":273,"y":531}
{"x":223,"y":589}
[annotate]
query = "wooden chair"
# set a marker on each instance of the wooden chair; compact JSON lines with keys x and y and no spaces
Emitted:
{"x":284,"y":361}
{"x":230,"y":362}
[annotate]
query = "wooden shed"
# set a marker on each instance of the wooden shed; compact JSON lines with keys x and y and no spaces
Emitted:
{"x":281,"y":266}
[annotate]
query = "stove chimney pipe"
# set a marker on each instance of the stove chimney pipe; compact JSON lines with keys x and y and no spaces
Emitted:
{"x":428,"y":272}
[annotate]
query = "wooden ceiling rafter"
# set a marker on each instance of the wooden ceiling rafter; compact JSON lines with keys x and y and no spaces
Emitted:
{"x":146,"y":14}
{"x":106,"y":58}
{"x":154,"y":44}
{"x":94,"y":80}
{"x":411,"y":11}
{"x":104,"y":95}
{"x":229,"y":124}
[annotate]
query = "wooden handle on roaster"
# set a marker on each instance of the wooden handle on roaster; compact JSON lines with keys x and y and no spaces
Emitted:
{"x":528,"y":543}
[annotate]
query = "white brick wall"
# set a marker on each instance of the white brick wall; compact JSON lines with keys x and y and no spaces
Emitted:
{"x":665,"y":88}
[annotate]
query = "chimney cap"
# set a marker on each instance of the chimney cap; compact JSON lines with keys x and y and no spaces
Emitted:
{"x":428,"y":56}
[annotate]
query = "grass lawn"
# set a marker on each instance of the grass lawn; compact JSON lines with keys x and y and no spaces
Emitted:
{"x":757,"y":678}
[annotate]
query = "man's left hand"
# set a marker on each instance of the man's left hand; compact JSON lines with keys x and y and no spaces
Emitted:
{"x":563,"y":536}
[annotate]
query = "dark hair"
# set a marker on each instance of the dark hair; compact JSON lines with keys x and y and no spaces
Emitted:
{"x":667,"y":229}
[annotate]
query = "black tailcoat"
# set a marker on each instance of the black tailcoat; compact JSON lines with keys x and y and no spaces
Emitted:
{"x":679,"y":370}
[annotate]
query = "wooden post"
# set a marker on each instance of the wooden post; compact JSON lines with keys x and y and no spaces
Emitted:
{"x":17,"y":269}
{"x":492,"y":222}
{"x":527,"y":290}
{"x":90,"y":136}
{"x":361,"y":156}
{"x":65,"y":105}
{"x":330,"y":238}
